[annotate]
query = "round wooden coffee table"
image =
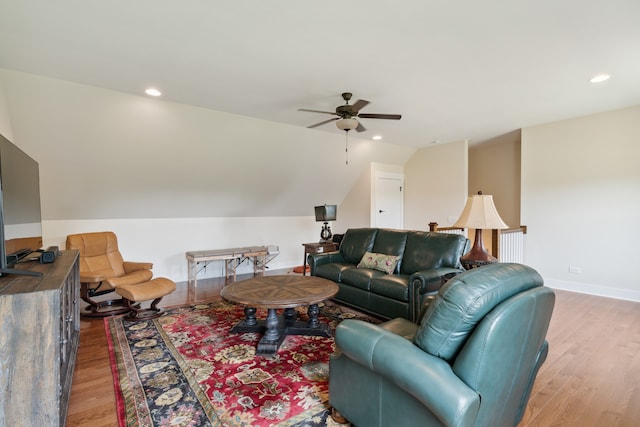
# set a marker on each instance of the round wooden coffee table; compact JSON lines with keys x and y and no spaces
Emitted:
{"x":280,"y":292}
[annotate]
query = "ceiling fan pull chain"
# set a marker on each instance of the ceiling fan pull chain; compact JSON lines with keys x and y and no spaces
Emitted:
{"x":346,"y":149}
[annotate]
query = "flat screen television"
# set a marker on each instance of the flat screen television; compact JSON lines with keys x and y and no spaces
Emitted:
{"x":20,"y":215}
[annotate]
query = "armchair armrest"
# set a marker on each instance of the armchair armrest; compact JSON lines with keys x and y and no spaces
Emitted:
{"x":135,"y":266}
{"x":427,"y":378}
{"x":315,"y":260}
{"x":426,"y":282}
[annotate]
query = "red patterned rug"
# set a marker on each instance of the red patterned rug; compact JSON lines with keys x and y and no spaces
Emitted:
{"x":186,"y":369}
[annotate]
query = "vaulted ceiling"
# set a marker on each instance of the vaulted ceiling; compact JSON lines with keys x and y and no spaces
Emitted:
{"x":454,"y":70}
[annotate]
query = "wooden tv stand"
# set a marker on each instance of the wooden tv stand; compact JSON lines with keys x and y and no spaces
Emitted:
{"x":40,"y":324}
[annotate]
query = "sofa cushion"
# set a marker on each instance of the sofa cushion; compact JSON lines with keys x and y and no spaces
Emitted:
{"x":356,"y":242}
{"x":331,"y":271}
{"x":426,"y":250}
{"x":359,"y":277}
{"x":393,"y":286}
{"x":461,"y":303}
{"x":381,"y":262}
{"x":391,"y":242}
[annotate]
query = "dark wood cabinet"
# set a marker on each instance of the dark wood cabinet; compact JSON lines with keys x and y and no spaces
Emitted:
{"x":39,"y":333}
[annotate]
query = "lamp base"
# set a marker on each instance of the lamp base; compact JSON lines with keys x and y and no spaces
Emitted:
{"x":478,"y":255}
{"x":325,"y":233}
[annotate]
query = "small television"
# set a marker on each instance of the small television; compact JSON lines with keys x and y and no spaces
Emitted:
{"x":20,"y":214}
{"x":325,"y":213}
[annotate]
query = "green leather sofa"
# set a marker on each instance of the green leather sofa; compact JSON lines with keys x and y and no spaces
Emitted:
{"x":425,"y":261}
{"x":471,"y":361}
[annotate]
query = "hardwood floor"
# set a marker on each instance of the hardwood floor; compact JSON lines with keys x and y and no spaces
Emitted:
{"x":590,"y":378}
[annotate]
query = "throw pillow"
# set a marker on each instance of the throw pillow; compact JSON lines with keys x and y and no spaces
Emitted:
{"x":380,"y":262}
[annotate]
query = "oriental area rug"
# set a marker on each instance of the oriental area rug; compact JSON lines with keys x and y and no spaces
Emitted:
{"x":186,"y":369}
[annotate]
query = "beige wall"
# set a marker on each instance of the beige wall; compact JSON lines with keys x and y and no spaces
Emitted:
{"x":494,"y":168}
{"x":436,"y":185}
{"x":170,"y":178}
{"x":580,"y":181}
{"x":354,"y":210}
{"x":581,"y":202}
{"x":5,"y":122}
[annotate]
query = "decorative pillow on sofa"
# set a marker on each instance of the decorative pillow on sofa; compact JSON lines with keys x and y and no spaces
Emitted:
{"x":381,"y":262}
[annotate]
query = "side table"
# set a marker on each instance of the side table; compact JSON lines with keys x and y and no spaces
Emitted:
{"x":316,"y":248}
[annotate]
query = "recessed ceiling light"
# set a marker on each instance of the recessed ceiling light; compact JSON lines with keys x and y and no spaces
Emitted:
{"x":377,"y":138}
{"x":600,"y":78}
{"x":153,"y":92}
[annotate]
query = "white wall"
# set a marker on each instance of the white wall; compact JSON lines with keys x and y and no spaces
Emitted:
{"x":164,"y":241}
{"x":178,"y":178}
{"x":436,"y":185}
{"x":581,"y":202}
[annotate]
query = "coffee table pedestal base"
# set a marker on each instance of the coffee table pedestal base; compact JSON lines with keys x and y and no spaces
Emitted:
{"x":276,"y":328}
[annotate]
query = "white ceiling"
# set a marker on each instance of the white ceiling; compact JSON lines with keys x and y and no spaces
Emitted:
{"x":453,"y":69}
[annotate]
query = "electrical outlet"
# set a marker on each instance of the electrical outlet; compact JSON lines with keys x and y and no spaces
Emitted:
{"x":575,"y":270}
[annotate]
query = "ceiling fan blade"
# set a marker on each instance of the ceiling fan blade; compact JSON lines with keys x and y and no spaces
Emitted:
{"x":380,"y":116}
{"x":359,"y":104}
{"x":317,"y":111}
{"x":360,"y":128}
{"x":322,"y":123}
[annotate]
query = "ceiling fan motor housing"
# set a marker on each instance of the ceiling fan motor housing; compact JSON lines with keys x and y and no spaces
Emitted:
{"x":346,"y":111}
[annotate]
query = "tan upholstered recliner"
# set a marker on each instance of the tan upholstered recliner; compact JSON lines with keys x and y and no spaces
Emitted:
{"x":103,"y":270}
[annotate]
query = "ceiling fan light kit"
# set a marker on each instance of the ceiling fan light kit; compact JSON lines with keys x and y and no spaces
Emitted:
{"x":347,"y":124}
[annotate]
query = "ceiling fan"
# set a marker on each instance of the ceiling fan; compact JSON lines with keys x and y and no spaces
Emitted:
{"x":347,"y":113}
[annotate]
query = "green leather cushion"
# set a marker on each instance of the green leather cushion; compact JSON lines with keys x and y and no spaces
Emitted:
{"x":465,"y":300}
{"x":332,"y":271}
{"x":356,"y":242}
{"x":426,"y":250}
{"x":392,"y":286}
{"x":359,"y":277}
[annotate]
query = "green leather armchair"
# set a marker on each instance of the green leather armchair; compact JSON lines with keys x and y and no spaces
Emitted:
{"x":471,"y":361}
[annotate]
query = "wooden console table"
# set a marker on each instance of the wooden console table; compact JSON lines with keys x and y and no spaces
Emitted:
{"x":40,"y":324}
{"x":232,"y":257}
{"x":316,"y":248}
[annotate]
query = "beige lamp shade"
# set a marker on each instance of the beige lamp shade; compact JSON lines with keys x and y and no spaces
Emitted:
{"x":480,"y":213}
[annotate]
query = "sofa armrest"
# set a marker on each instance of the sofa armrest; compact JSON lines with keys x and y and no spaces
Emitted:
{"x":314,"y":260}
{"x":426,"y":282}
{"x":427,"y":378}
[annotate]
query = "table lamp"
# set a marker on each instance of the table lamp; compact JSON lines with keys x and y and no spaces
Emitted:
{"x":325,"y":213}
{"x":479,"y":213}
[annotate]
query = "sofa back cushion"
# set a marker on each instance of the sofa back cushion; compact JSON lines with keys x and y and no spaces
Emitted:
{"x":464,"y":301}
{"x":356,"y":242}
{"x":391,"y":242}
{"x":426,"y":249}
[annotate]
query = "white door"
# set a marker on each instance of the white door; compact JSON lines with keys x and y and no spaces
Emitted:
{"x":388,"y":211}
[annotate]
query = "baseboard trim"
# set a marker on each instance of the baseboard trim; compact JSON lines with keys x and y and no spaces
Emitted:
{"x":591,"y":289}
